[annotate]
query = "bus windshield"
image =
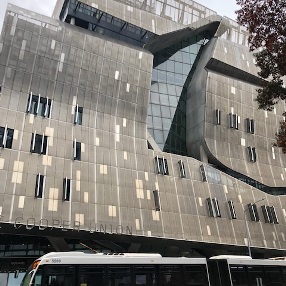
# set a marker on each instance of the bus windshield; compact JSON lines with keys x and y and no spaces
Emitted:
{"x":27,"y":280}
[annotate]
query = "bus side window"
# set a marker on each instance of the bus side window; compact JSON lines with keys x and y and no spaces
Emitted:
{"x":119,"y":275}
{"x":92,"y":275}
{"x":238,"y":275}
{"x":145,"y":275}
{"x":256,"y":275}
{"x":273,"y":275}
{"x":59,"y":275}
{"x":283,"y":268}
{"x":195,"y":275}
{"x":170,"y":275}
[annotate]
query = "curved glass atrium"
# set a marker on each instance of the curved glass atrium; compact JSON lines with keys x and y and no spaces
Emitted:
{"x":172,"y":70}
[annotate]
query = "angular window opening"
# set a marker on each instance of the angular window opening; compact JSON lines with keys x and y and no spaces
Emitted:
{"x":213,"y":207}
{"x":251,"y":154}
{"x":218,"y":117}
{"x":40,"y":186}
{"x":6,"y":137}
{"x":149,"y":145}
{"x":162,"y":166}
{"x":157,"y":200}
{"x":269,"y":214}
{"x":38,"y":105}
{"x":39,"y":144}
{"x":231,"y":209}
{"x":233,"y":121}
{"x":250,"y":125}
{"x":203,"y":173}
{"x":76,"y":150}
{"x":78,"y":115}
{"x":66,"y":189}
{"x":182,"y":169}
{"x":253,"y":212}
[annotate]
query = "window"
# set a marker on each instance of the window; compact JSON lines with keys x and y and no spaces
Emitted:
{"x":231,"y":209}
{"x":40,"y":186}
{"x":66,"y":189}
{"x":157,"y":200}
{"x":253,"y":212}
{"x":203,"y":173}
{"x":76,"y":150}
{"x":182,"y":169}
{"x":145,"y":275}
{"x":233,"y":121}
{"x":213,"y":207}
{"x":78,"y":115}
{"x":118,"y":275}
{"x":269,"y":214}
{"x":217,"y":116}
{"x":162,"y":166}
{"x":38,"y":105}
{"x":6,"y":137}
{"x":39,"y":144}
{"x":251,"y":154}
{"x":250,"y":125}
{"x":91,"y":273}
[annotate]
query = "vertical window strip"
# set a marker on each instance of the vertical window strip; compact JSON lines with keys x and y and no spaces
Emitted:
{"x":33,"y":141}
{"x":203,"y":173}
{"x":253,"y":212}
{"x":231,"y":123}
{"x":38,"y":105}
{"x":216,"y":207}
{"x":265,"y":214}
{"x":210,"y":207}
{"x":274,"y":215}
{"x":252,"y":154}
{"x":5,"y":137}
{"x":74,"y":149}
{"x":37,"y":193}
{"x":252,"y":126}
{"x":29,"y":102}
{"x":157,"y":200}
{"x":46,"y":107}
{"x":182,"y":169}
{"x":66,"y":189}
{"x":165,"y":166}
{"x":159,"y":171}
{"x":218,"y":116}
{"x":233,"y":120}
{"x":248,"y":125}
{"x":42,"y":143}
{"x":51,"y":108}
{"x":231,"y":209}
{"x":269,"y":214}
{"x":162,"y":166}
{"x":76,"y":115}
{"x":40,"y":185}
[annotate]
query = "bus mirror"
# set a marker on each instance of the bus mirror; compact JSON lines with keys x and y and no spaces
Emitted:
{"x":16,"y":274}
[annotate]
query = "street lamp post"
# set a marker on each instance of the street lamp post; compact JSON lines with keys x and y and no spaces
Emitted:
{"x":247,"y":228}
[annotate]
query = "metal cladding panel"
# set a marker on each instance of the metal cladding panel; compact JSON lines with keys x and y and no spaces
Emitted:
{"x":113,"y":182}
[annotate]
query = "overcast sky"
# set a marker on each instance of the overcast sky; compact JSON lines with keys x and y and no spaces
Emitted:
{"x":222,"y":7}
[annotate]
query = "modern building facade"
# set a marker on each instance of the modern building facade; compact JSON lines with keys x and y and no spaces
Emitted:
{"x":132,"y":126}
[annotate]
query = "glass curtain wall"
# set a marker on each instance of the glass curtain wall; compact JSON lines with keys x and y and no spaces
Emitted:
{"x":181,"y":11}
{"x":167,"y":109}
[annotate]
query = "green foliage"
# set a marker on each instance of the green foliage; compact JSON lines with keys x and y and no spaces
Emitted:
{"x":265,"y":21}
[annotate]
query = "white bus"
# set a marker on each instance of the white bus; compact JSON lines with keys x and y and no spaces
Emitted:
{"x":84,"y":269}
{"x":243,"y":271}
